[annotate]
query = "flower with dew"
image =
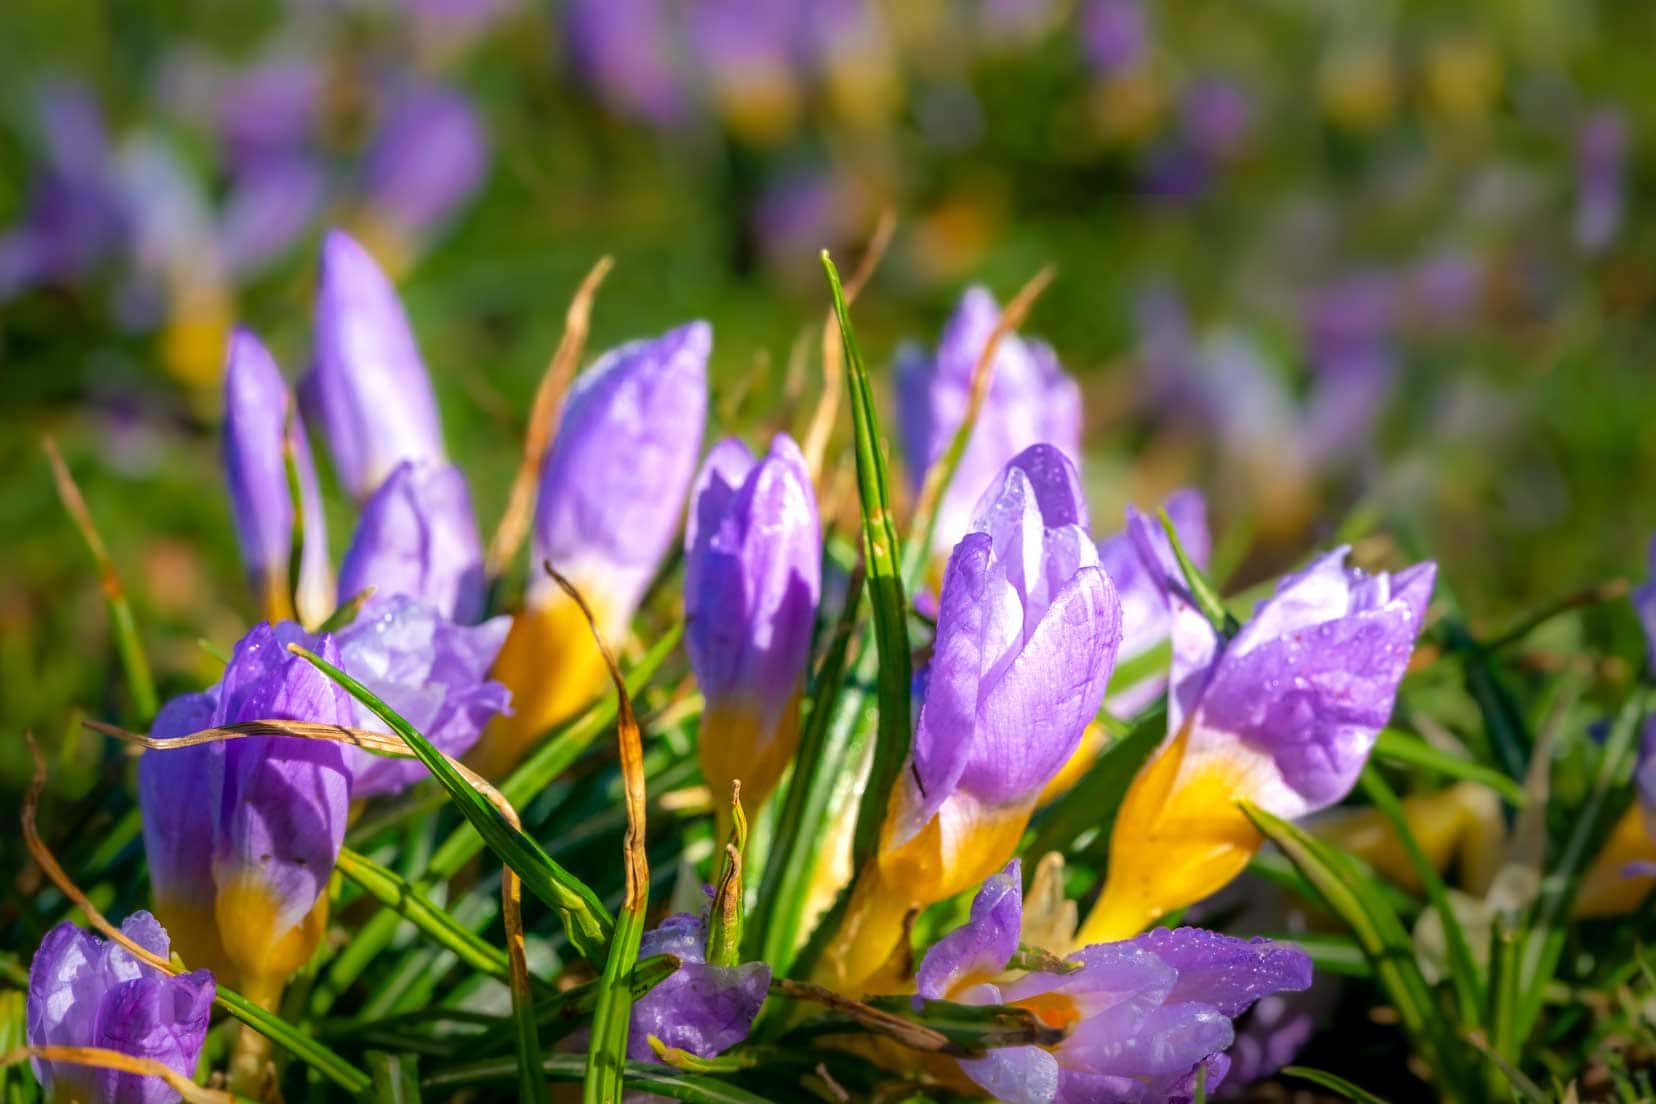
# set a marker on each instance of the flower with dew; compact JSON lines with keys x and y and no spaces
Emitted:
{"x":1143,"y":1018}
{"x":1027,"y":630}
{"x":242,"y":834}
{"x":752,"y":579}
{"x":1031,"y":400}
{"x":612,"y":491}
{"x":701,"y":1008}
{"x":1144,"y":623}
{"x":417,"y":536}
{"x":84,"y":992}
{"x":1282,"y":715}
{"x":367,"y":386}
{"x":266,"y":460}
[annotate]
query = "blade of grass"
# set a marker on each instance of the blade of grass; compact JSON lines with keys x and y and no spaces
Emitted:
{"x":822,"y":765}
{"x":1398,"y":747}
{"x":1201,"y":591}
{"x":1464,"y":974}
{"x":1092,"y":802}
{"x":882,"y":555}
{"x":724,"y":921}
{"x":689,"y":1087}
{"x":1381,"y":935}
{"x":1334,"y":1083}
{"x":612,"y":1013}
{"x":129,"y":646}
{"x":396,"y":1077}
{"x":583,"y":914}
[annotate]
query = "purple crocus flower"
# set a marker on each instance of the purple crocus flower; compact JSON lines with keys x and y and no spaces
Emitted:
{"x":1115,"y":34}
{"x":429,"y":156}
{"x":271,"y":204}
{"x":368,"y":386}
{"x":1027,"y":630}
{"x":84,"y":992}
{"x":1030,"y":401}
{"x":263,"y":434}
{"x":270,"y":110}
{"x":1283,"y":715}
{"x":418,"y":536}
{"x":434,"y":673}
{"x":623,"y":47}
{"x":1143,"y":1015}
{"x":612,"y":492}
{"x":1215,"y":117}
{"x":1601,"y":167}
{"x":700,"y":1008}
{"x":242,"y":835}
{"x":752,"y":579}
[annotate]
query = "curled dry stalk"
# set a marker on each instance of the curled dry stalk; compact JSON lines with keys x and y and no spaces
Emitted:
{"x":101,"y":1058}
{"x":939,"y":474}
{"x":543,"y":419}
{"x":833,"y":365}
{"x":612,"y":1014}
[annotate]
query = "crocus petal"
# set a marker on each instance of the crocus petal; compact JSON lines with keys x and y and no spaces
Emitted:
{"x":418,"y":537}
{"x":368,"y":385}
{"x":699,"y":1008}
{"x":178,"y":822}
{"x":1226,"y":972}
{"x":428,"y":158}
{"x":1016,"y":1075}
{"x":614,"y":483}
{"x":432,"y":672}
{"x":983,"y":945}
{"x":1146,"y":619}
{"x":256,"y":413}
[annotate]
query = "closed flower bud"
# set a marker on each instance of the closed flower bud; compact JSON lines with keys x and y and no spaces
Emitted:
{"x":753,"y":576}
{"x":84,"y":992}
{"x":1283,"y":715}
{"x":700,"y":1008}
{"x":418,"y":537}
{"x":612,"y":494}
{"x":264,"y":440}
{"x":368,"y":385}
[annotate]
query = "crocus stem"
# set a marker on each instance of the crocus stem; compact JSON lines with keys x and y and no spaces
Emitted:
{"x":874,"y":929}
{"x":250,"y":1055}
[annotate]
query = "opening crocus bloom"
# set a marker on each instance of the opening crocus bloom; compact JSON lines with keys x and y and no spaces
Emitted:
{"x":242,"y":834}
{"x":1027,"y":630}
{"x":263,"y":435}
{"x":753,"y":576}
{"x":84,"y":992}
{"x":700,"y":1008}
{"x":612,"y":492}
{"x":1030,"y":401}
{"x":1142,"y":1016}
{"x":368,"y":386}
{"x":1283,"y":715}
{"x":418,"y":537}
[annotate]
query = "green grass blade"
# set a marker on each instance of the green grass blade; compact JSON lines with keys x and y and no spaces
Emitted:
{"x":396,"y":1077}
{"x":691,"y":1088}
{"x":822,"y":765}
{"x":410,"y":902}
{"x":295,"y":1042}
{"x":882,"y":555}
{"x":1381,"y":935}
{"x":611,"y":1015}
{"x":1464,"y":974}
{"x":1403,"y":749}
{"x":583,"y":914}
{"x":1201,"y":591}
{"x":1334,"y":1083}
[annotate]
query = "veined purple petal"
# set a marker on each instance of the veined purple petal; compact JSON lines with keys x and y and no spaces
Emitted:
{"x":983,"y":945}
{"x":1226,"y":972}
{"x":418,"y":537}
{"x":172,"y":784}
{"x":367,"y":384}
{"x":433,"y":672}
{"x":89,"y":993}
{"x":614,"y":482}
{"x":699,"y":1008}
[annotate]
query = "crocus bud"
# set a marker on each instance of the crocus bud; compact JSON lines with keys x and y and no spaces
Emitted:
{"x":1027,"y":630}
{"x":270,"y":810}
{"x":418,"y":537}
{"x":1283,"y":715}
{"x":1144,"y":623}
{"x":263,"y":439}
{"x":84,"y":992}
{"x":368,"y":385}
{"x":700,"y":1008}
{"x":752,"y":579}
{"x":429,"y":157}
{"x":434,"y":673}
{"x":612,"y":491}
{"x":1030,"y":401}
{"x":1142,"y":1017}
